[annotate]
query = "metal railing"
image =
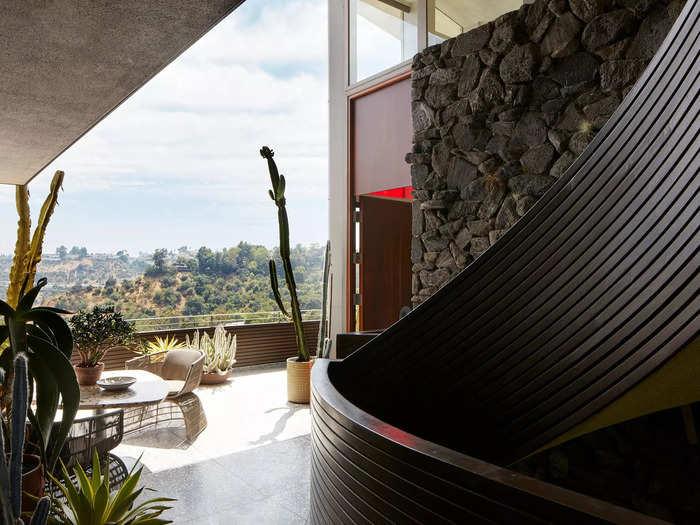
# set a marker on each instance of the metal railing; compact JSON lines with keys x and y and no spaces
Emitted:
{"x":155,"y":324}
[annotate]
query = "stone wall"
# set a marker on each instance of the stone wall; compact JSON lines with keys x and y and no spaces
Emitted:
{"x":501,"y":111}
{"x":646,"y":464}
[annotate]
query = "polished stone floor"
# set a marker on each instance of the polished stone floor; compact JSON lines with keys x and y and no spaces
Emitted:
{"x":250,"y":465}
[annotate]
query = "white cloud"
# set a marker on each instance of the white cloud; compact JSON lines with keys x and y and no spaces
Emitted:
{"x":193,"y":133}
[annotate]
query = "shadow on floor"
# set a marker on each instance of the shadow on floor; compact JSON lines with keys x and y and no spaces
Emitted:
{"x":280,"y":424}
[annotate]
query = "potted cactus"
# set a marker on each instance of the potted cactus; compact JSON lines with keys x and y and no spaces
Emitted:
{"x":94,"y":333}
{"x":219,"y":354}
{"x":299,"y":367}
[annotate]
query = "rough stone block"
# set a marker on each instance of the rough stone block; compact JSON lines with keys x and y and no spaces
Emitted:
{"x":530,"y":130}
{"x":472,"y":41}
{"x":562,"y":38}
{"x":479,"y":228}
{"x":562,"y":164}
{"x":480,"y":244}
{"x":615,"y":74}
{"x":535,"y":185}
{"x":578,"y":142}
{"x":608,"y":28}
{"x":494,"y":235}
{"x":538,"y":20}
{"x":463,"y":238}
{"x":460,"y":174}
{"x":416,"y":250}
{"x":523,"y":203}
{"x":423,"y":116}
{"x":434,"y":241}
{"x":520,"y":64}
{"x":587,"y":10}
{"x":444,"y":76}
{"x":507,"y":215}
{"x":574,"y":69}
{"x":538,"y":159}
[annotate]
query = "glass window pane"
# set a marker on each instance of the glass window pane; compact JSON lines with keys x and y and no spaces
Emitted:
{"x":383,"y":33}
{"x":449,"y":18}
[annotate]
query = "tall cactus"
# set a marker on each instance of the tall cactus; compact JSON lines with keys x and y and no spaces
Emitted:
{"x":28,"y":252}
{"x":323,"y":346}
{"x":277,"y":195}
{"x":11,"y":474}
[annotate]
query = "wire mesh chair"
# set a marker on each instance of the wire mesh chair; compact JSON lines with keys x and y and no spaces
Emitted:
{"x":101,"y":432}
{"x":186,"y":408}
{"x":182,"y":371}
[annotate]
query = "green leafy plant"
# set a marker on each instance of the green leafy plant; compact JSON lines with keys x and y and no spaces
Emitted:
{"x":323,"y":349}
{"x":219,"y":351}
{"x":277,"y":195}
{"x":44,"y":338}
{"x":11,"y":471}
{"x":96,"y":331}
{"x":89,"y":501}
{"x":161,"y":344}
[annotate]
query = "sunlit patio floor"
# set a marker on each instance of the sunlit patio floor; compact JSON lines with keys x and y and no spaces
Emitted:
{"x":250,"y":465}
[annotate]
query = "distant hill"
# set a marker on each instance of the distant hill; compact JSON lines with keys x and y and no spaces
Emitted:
{"x":205,"y":282}
{"x":79,"y":271}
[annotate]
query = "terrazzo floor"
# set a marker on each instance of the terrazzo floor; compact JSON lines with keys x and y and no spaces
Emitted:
{"x":250,"y":465}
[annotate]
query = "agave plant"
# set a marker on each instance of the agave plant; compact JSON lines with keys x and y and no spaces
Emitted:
{"x":44,"y":338}
{"x":11,"y":472}
{"x":161,"y":344}
{"x":89,"y":502}
{"x":219,"y":351}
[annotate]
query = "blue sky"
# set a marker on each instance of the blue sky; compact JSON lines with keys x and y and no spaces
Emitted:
{"x":178,"y":164}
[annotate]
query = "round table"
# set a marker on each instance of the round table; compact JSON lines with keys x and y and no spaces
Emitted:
{"x":148,"y":389}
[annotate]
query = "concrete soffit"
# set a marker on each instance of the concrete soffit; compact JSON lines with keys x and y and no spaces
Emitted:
{"x":67,"y":64}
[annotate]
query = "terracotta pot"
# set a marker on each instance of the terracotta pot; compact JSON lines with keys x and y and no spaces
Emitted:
{"x":88,"y":375}
{"x":214,"y":378}
{"x":33,"y":480}
{"x":299,"y":380}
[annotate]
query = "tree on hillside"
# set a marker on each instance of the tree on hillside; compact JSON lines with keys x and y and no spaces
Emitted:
{"x":79,"y":252}
{"x":159,"y":262}
{"x":62,"y":251}
{"x":123,"y":256}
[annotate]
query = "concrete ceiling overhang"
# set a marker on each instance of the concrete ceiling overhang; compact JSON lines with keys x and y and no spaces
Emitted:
{"x":66,"y":64}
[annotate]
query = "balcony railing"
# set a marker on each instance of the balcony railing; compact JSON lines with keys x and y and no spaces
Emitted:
{"x":180,"y":322}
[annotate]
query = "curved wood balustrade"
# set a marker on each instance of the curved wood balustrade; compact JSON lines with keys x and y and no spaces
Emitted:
{"x":581,"y":302}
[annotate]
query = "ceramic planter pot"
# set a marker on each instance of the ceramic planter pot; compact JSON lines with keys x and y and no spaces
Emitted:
{"x":88,"y":375}
{"x":33,"y":480}
{"x":299,"y":380}
{"x":214,"y":378}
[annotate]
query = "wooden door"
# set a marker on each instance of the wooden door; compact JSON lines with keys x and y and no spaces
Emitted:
{"x":385,"y":262}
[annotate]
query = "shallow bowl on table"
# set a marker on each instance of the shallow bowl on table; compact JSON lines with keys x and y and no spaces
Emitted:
{"x":116,"y":382}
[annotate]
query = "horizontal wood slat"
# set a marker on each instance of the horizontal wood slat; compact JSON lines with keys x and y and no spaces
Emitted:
{"x":256,"y":344}
{"x":593,"y":290}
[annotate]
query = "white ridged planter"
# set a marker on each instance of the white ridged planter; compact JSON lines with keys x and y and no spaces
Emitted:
{"x":298,"y":380}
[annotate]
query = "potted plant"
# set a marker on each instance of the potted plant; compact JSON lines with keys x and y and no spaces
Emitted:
{"x":219,"y":354}
{"x":94,"y":333}
{"x":299,"y":367}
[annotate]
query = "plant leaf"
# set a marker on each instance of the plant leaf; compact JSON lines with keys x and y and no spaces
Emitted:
{"x":46,"y":356}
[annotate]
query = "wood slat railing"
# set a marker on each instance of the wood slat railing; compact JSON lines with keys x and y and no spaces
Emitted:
{"x":256,"y":344}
